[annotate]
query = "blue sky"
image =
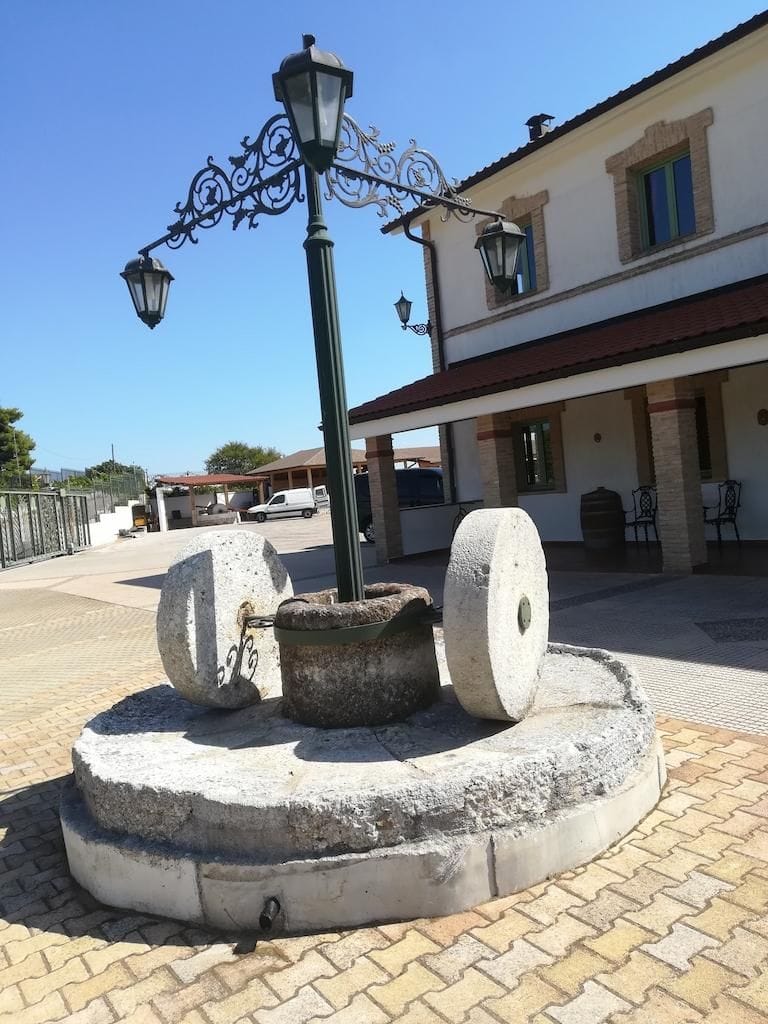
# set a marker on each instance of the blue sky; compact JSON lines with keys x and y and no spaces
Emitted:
{"x":107,"y":110}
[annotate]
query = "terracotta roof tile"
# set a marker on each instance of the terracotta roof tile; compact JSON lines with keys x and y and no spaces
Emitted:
{"x":722,"y":314}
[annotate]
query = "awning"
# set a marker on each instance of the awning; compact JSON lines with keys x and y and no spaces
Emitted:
{"x":208,"y":480}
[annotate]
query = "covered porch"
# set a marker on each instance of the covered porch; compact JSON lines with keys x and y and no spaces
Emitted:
{"x":671,"y":398}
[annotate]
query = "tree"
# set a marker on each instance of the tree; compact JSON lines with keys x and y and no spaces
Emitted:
{"x":16,"y":446}
{"x":111,"y":468}
{"x":239,"y":458}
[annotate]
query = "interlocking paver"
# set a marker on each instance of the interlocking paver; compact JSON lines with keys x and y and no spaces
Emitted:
{"x":593,"y":1006}
{"x":509,"y":967}
{"x":397,"y":956}
{"x":126,"y":1000}
{"x":698,"y":889}
{"x":679,"y":946}
{"x":702,"y":983}
{"x":660,"y":915}
{"x":720,"y":918}
{"x":450,"y":963}
{"x":360,"y":1011}
{"x":639,"y":974}
{"x":530,"y":996}
{"x":570,"y":973}
{"x":502,"y":933}
{"x":454,"y":1001}
{"x":341,"y":988}
{"x":756,"y":992}
{"x":415,"y":981}
{"x":616,"y":943}
{"x":752,"y":893}
{"x":562,"y":951}
{"x":744,"y":953}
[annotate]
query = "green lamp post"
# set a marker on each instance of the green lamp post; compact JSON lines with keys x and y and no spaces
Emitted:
{"x":313,"y":86}
{"x":316,"y":136}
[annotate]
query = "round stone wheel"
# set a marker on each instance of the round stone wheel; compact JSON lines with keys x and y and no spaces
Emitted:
{"x":496,"y":613}
{"x":212,"y":655}
{"x":352,"y":663}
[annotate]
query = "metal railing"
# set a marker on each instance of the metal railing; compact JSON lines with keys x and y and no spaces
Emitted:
{"x":107,"y":492}
{"x":41,"y":524}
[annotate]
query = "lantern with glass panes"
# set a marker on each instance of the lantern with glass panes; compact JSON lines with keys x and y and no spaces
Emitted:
{"x":148,"y":282}
{"x":499,"y":245}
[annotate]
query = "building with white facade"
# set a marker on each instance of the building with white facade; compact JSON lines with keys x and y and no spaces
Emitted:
{"x":634,"y":350}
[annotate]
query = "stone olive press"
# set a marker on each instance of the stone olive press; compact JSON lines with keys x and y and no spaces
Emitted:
{"x":308,"y":770}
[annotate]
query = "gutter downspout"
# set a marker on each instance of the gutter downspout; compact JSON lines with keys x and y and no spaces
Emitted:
{"x":430,"y":246}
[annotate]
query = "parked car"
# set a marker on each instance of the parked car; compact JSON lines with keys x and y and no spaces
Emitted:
{"x":414,"y":487}
{"x":298,"y":502}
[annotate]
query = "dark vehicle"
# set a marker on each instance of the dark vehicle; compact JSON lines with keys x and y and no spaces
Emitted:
{"x":414,"y":487}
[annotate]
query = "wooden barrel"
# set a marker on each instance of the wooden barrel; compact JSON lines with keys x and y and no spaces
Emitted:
{"x":602,"y":520}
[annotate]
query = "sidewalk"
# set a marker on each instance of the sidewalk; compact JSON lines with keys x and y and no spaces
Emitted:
{"x":668,"y":927}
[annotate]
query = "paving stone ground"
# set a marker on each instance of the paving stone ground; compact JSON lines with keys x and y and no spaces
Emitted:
{"x":668,"y":927}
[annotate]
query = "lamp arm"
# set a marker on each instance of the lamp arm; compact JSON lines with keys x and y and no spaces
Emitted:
{"x":366,"y":171}
{"x":265,"y":179}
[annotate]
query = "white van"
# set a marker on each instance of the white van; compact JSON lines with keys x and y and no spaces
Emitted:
{"x":298,"y":502}
{"x":321,"y":496}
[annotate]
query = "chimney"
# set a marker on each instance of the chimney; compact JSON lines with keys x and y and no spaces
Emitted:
{"x":538,"y":125}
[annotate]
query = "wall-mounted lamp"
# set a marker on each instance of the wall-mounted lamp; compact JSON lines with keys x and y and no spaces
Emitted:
{"x":403,"y":308}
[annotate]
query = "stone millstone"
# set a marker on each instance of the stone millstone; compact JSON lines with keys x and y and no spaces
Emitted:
{"x":496,"y":613}
{"x":216,"y":583}
{"x":345,"y":684}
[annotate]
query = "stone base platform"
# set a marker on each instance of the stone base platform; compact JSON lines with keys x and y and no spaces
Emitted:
{"x":207,"y":815}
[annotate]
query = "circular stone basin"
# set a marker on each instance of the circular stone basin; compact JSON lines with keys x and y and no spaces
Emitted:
{"x":357,"y":663}
{"x":423,"y":817}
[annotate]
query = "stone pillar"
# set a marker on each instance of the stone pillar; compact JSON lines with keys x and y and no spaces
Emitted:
{"x":672,"y":412}
{"x":385,"y":506}
{"x":162,"y":515}
{"x":310,"y":485}
{"x":497,"y":460}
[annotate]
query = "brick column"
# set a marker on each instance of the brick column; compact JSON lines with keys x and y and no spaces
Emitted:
{"x":672,"y":412}
{"x":385,"y":506}
{"x":497,"y":460}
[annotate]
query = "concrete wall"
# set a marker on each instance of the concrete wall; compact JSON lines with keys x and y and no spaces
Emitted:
{"x":107,"y":524}
{"x":580,"y":216}
{"x":430,"y":528}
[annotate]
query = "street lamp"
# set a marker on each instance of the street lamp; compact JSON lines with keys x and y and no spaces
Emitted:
{"x":499,"y":244}
{"x":314,"y":135}
{"x":403,"y":309}
{"x":313,"y":86}
{"x":148,"y":282}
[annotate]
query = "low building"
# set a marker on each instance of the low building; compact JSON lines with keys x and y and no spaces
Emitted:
{"x":632,"y":351}
{"x":306,"y":468}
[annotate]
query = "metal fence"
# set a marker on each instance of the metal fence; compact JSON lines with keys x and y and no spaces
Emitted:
{"x":108,"y":492}
{"x":41,"y":524}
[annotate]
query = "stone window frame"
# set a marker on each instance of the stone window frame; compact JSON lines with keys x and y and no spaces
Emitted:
{"x":523,"y":210}
{"x":552,"y":413}
{"x":661,"y":141}
{"x":706,"y":385}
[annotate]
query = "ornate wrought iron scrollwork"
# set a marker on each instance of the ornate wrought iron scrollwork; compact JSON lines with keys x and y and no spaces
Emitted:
{"x":265,"y":179}
{"x":367,"y":172}
{"x":240,"y":664}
